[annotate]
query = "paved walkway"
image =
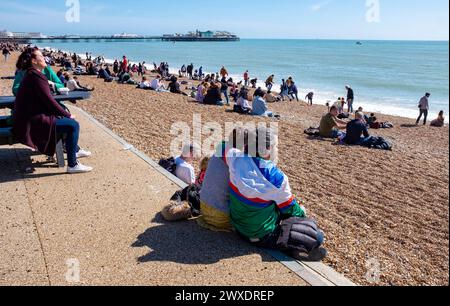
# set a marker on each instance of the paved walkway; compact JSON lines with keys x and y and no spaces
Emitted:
{"x":106,"y":223}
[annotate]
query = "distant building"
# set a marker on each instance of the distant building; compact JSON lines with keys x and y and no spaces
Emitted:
{"x":207,"y":34}
{"x":125,"y":35}
{"x":20,"y":35}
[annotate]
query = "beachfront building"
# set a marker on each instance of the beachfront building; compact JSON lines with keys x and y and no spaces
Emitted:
{"x":20,"y":35}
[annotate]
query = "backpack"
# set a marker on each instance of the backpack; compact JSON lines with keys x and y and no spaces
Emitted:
{"x":313,"y":131}
{"x":169,"y":165}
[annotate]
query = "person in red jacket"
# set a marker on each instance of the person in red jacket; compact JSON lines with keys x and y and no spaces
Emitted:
{"x":124,"y":67}
{"x":39,"y":119}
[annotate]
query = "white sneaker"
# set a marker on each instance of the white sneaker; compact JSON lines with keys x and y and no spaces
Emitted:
{"x":82,"y":153}
{"x":79,"y":168}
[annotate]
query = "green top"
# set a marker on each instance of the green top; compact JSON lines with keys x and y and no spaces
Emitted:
{"x":50,"y":75}
{"x":327,"y":124}
{"x":256,"y":222}
{"x":48,"y":72}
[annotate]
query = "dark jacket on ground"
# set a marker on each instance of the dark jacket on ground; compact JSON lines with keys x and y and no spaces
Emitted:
{"x":35,"y":113}
{"x":213,"y":96}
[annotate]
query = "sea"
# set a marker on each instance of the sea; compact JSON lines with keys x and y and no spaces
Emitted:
{"x":388,"y":77}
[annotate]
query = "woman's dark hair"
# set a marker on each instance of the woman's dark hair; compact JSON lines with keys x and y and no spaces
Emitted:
{"x":24,"y":60}
{"x":441,"y":113}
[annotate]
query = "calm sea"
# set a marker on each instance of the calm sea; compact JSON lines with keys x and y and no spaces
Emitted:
{"x":388,"y":76}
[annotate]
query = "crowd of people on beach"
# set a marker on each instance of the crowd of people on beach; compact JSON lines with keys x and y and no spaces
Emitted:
{"x":259,"y":206}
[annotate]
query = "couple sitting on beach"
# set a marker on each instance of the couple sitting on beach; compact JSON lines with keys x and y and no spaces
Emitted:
{"x":356,"y":130}
{"x":243,"y":190}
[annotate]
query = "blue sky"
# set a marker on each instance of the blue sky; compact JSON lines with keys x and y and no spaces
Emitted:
{"x":316,"y":19}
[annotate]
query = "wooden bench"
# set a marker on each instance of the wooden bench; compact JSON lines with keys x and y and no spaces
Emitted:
{"x":6,"y":133}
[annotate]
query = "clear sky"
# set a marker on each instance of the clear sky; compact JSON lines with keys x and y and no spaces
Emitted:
{"x":316,"y":19}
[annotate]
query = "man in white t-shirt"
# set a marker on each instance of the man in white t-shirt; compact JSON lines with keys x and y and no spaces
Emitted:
{"x":185,"y":171}
{"x":157,"y":85}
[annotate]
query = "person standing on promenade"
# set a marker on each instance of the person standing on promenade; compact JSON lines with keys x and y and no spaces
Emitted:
{"x":350,"y":98}
{"x":424,"y":106}
{"x":269,"y":82}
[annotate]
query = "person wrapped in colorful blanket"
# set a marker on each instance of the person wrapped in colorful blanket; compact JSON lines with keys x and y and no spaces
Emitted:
{"x":263,"y":209}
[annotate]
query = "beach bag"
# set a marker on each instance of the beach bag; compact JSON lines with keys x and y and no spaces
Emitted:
{"x":378,"y":143}
{"x":184,"y":204}
{"x":312,"y":131}
{"x":190,"y":195}
{"x":300,"y":234}
{"x":169,"y":165}
{"x":238,"y":109}
{"x":176,"y":211}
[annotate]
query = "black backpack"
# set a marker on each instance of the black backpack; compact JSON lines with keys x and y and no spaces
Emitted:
{"x":169,"y":165}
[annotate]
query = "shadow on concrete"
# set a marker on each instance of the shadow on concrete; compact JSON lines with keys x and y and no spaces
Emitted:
{"x":17,"y":164}
{"x":188,"y":243}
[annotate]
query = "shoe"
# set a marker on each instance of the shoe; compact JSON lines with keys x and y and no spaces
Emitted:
{"x":315,"y":255}
{"x":82,"y":153}
{"x":79,"y":168}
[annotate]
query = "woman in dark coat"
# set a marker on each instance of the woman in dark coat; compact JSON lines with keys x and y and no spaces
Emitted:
{"x":38,"y":118}
{"x":213,"y":95}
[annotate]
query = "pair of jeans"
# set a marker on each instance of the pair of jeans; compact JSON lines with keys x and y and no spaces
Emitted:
{"x":269,"y":86}
{"x":423,"y":112}
{"x":227,"y":98}
{"x":350,"y":106}
{"x":71,"y":129}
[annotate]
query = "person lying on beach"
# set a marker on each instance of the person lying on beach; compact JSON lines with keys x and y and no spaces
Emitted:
{"x":372,"y":122}
{"x":174,"y":86}
{"x":213,"y":95}
{"x":104,"y":74}
{"x":125,"y":78}
{"x":330,"y":124}
{"x":74,"y":85}
{"x":271,"y":98}
{"x":439,"y":121}
{"x":39,"y":119}
{"x":145,"y":84}
{"x":263,"y":209}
